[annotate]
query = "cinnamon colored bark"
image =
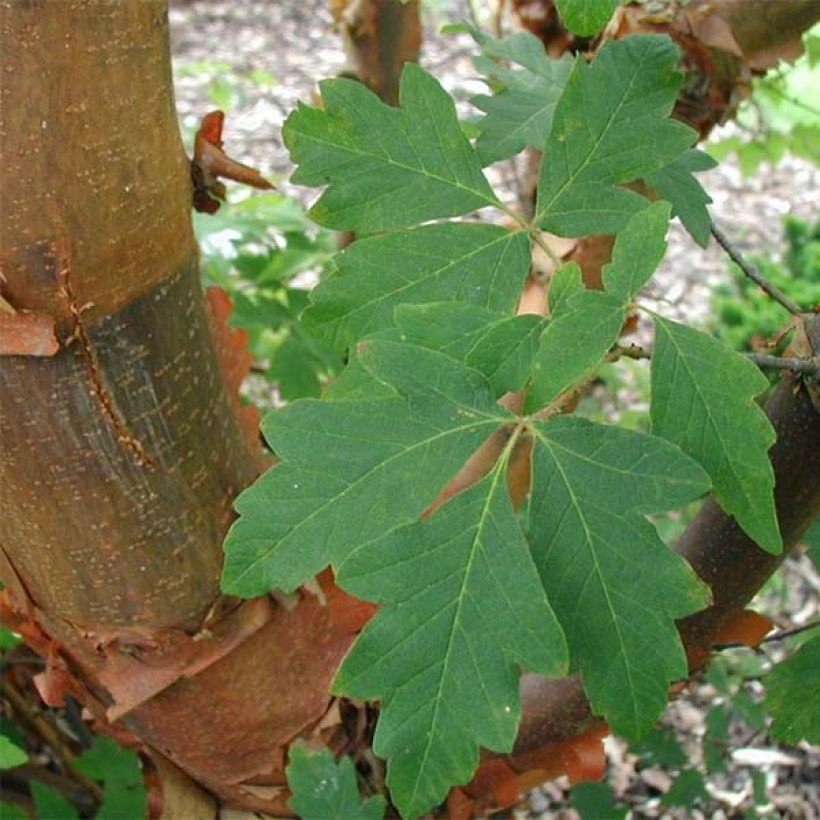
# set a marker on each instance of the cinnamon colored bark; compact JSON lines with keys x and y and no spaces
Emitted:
{"x":379,"y":36}
{"x":121,"y":443}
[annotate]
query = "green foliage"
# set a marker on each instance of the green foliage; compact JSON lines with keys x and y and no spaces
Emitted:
{"x":703,"y":400}
{"x":745,"y":317}
{"x":51,"y":805}
{"x":595,"y":801}
{"x":610,"y":126}
{"x":460,"y":606}
{"x":586,"y":17}
{"x":781,"y":116}
{"x":687,"y":789}
{"x":519,"y":113}
{"x":326,"y":790}
{"x":793,"y":695}
{"x":124,"y":796}
{"x":471,"y":591}
{"x":11,"y":754}
{"x":257,"y":250}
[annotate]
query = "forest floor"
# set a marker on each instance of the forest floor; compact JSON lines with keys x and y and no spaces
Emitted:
{"x":255,"y":59}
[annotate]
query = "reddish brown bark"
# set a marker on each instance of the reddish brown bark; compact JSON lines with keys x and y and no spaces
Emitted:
{"x":122,"y":447}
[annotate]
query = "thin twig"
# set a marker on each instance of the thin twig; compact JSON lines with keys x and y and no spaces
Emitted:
{"x":753,"y":273}
{"x":807,"y":367}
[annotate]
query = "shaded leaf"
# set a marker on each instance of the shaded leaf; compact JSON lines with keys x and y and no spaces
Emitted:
{"x":703,"y":400}
{"x":677,"y":184}
{"x":610,"y":126}
{"x":326,"y":790}
{"x":476,"y":264}
{"x":793,"y":695}
{"x":50,"y":804}
{"x":385,"y":167}
{"x":565,"y":282}
{"x":614,"y":585}
{"x":660,"y":748}
{"x":461,"y":606}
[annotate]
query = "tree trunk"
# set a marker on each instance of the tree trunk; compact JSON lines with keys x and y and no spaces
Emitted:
{"x":122,"y":441}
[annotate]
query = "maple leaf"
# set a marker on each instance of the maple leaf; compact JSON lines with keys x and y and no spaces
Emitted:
{"x":610,"y":126}
{"x":519,"y":113}
{"x":306,"y":513}
{"x":676,"y":182}
{"x":468,"y":263}
{"x":703,"y":400}
{"x":461,"y":608}
{"x":326,"y":790}
{"x":385,"y":167}
{"x":614,"y":585}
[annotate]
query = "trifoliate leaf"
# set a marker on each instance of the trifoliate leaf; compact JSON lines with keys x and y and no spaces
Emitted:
{"x":461,"y":607}
{"x":385,"y":167}
{"x":353,"y":470}
{"x":124,"y":795}
{"x":476,"y":264}
{"x":793,"y":695}
{"x":326,"y":790}
{"x":610,"y":126}
{"x":11,"y":754}
{"x":520,"y":113}
{"x":586,"y":17}
{"x":573,"y":344}
{"x":614,"y":585}
{"x":703,"y":400}
{"x":676,"y":183}
{"x":638,"y":251}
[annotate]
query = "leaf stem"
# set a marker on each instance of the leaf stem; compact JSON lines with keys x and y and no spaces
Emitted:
{"x":533,"y":232}
{"x":753,"y":273}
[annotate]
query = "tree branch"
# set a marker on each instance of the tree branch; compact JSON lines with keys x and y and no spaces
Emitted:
{"x":753,"y":273}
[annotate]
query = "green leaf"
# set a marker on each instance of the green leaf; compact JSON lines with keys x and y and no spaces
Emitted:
{"x":385,"y":167}
{"x":614,"y":585}
{"x":660,"y":748}
{"x":638,"y":251}
{"x":11,"y":755}
{"x":676,"y":183}
{"x":502,"y":348}
{"x":519,"y":114}
{"x":354,"y":470}
{"x":51,"y":805}
{"x":573,"y":344}
{"x":812,"y":541}
{"x":595,"y":801}
{"x":565,"y":282}
{"x":11,"y":811}
{"x":475,"y":264}
{"x":703,"y":400}
{"x":124,"y":796}
{"x":687,"y":789}
{"x":610,"y":126}
{"x":793,"y":695}
{"x":461,"y":606}
{"x":715,"y":739}
{"x":586,"y":17}
{"x":326,"y":790}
